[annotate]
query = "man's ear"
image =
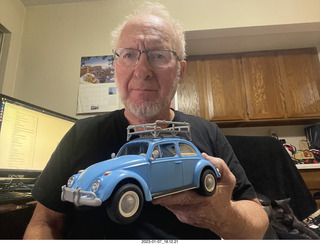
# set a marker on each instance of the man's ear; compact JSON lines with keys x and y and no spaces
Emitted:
{"x":183,"y":64}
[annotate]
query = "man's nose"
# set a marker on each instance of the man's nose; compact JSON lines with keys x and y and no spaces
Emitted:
{"x":143,"y":69}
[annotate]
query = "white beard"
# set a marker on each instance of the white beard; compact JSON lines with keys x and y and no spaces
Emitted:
{"x":149,"y":109}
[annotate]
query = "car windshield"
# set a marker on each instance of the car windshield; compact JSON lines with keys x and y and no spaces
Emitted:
{"x":138,"y":148}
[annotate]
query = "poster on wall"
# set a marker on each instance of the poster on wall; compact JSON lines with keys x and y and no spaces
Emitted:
{"x":97,"y":88}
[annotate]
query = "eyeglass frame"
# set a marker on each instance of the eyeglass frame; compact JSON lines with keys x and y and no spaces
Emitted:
{"x":116,"y":55}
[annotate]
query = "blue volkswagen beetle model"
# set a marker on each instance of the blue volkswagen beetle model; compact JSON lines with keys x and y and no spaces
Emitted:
{"x":144,"y":169}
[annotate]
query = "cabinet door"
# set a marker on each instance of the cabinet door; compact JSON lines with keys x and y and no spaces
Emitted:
{"x":188,"y":90}
{"x":301,"y":79}
{"x":211,"y":89}
{"x":263,"y":88}
{"x":223,"y":89}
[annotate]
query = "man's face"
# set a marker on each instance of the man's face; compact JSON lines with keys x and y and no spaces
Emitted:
{"x":146,"y":90}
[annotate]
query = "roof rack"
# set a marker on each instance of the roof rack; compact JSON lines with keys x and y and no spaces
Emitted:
{"x":155,"y":130}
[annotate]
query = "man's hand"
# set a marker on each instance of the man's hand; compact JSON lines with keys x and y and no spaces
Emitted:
{"x":218,"y":212}
{"x":202,"y":211}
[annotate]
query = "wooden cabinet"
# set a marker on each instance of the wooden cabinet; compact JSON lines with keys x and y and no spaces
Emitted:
{"x":223,"y":88}
{"x":312,"y":179}
{"x":263,"y":88}
{"x":211,"y":88}
{"x":258,"y":86}
{"x":189,"y":92}
{"x":301,"y":82}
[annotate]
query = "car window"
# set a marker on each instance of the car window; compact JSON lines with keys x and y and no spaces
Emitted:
{"x":139,"y":148}
{"x":187,"y":150}
{"x":168,"y":150}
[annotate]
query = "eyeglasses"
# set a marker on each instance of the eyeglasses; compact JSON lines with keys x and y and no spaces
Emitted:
{"x":156,"y":58}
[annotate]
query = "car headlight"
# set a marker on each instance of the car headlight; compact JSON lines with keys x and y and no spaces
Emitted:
{"x":70,"y":181}
{"x":95,"y":185}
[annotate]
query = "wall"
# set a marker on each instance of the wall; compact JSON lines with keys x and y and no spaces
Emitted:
{"x":55,"y":37}
{"x":12,"y":15}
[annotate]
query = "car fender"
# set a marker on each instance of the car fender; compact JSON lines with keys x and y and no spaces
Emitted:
{"x":199,"y":168}
{"x":76,"y":177}
{"x":75,"y":181}
{"x":109,"y":183}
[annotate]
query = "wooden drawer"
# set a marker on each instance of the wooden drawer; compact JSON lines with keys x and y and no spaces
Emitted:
{"x":312,"y":179}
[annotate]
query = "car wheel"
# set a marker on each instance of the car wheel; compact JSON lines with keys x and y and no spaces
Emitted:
{"x":126,"y":204}
{"x":208,"y":183}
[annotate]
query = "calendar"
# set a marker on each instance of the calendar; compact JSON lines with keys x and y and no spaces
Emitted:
{"x":97,"y":88}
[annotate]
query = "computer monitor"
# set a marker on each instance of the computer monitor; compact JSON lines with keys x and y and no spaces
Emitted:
{"x":28,"y":136}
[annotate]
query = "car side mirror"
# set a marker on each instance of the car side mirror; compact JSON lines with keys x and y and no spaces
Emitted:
{"x":155,"y":155}
{"x":113,"y":155}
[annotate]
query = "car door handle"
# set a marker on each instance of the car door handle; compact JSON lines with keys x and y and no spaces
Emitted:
{"x":178,"y":162}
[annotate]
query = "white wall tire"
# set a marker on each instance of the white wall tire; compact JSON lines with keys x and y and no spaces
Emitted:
{"x":208,"y":183}
{"x":129,"y":204}
{"x":126,"y":204}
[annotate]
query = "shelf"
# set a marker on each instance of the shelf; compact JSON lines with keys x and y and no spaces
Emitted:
{"x":308,"y":166}
{"x":267,"y":122}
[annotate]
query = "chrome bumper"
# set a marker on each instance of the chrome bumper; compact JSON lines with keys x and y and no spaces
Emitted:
{"x":79,"y":197}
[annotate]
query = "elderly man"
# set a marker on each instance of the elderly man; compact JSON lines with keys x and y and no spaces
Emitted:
{"x":149,"y":50}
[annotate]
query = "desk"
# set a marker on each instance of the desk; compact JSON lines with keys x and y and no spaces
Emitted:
{"x":14,"y":219}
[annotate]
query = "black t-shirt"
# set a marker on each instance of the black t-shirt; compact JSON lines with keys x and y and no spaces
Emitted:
{"x":93,"y":140}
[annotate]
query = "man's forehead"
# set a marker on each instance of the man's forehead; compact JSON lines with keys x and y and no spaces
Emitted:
{"x":147,"y":27}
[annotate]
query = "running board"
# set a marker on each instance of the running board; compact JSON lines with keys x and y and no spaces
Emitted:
{"x":174,"y":191}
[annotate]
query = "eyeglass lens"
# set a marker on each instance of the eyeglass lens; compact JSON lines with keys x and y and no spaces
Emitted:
{"x":156,"y":58}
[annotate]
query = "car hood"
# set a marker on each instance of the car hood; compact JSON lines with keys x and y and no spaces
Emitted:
{"x":89,"y":175}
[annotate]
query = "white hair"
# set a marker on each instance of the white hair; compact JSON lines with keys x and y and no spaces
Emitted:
{"x":156,"y":9}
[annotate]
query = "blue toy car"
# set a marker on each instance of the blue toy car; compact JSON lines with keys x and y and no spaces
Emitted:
{"x":144,"y":169}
